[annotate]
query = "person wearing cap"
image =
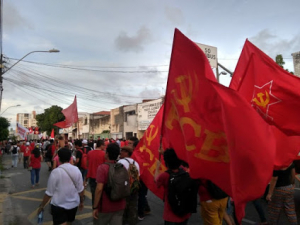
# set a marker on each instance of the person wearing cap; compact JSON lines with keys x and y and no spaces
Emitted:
{"x":65,"y":189}
{"x":131,"y":209}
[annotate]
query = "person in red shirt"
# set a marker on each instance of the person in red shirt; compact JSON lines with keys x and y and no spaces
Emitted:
{"x":94,"y":159}
{"x":27,"y":153}
{"x":105,"y":210}
{"x":172,"y":163}
{"x":32,"y":145}
{"x":35,"y":162}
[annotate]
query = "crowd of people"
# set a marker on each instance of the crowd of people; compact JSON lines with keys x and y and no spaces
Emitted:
{"x":99,"y":164}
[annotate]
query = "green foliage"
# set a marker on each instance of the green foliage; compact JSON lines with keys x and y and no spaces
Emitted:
{"x":4,"y":124}
{"x":279,"y":60}
{"x":50,"y":116}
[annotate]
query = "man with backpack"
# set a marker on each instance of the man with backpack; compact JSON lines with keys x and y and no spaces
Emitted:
{"x":130,"y":213}
{"x":14,"y":154}
{"x":180,"y":190}
{"x":111,"y":190}
{"x":50,"y":149}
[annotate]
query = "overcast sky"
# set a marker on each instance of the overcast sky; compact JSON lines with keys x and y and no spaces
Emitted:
{"x":114,"y":53}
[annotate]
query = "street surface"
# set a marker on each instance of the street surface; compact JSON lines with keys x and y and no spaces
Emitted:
{"x":20,"y":201}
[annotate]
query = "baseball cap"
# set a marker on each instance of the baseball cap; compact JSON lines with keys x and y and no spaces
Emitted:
{"x":27,"y":143}
{"x":84,"y":141}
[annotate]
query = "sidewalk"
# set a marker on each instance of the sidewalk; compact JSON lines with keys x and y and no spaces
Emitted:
{"x":4,"y":185}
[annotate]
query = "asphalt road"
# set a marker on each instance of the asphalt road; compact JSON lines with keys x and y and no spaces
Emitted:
{"x":22,"y":201}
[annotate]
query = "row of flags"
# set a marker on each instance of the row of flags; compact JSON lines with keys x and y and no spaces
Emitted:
{"x":234,"y":136}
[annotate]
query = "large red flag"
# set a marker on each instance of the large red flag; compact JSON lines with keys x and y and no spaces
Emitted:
{"x":271,"y":90}
{"x":274,"y":93}
{"x":214,"y":129}
{"x":147,"y":155}
{"x":71,"y":115}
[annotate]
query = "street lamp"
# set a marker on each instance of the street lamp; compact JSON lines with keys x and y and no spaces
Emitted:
{"x":3,"y":72}
{"x":9,"y":107}
{"x":221,"y":73}
{"x":50,"y":51}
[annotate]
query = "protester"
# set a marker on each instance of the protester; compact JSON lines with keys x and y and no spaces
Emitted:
{"x":65,"y":189}
{"x":14,"y":154}
{"x":22,"y":149}
{"x":35,"y":163}
{"x":27,"y":153}
{"x":79,"y":158}
{"x":50,"y":149}
{"x":213,"y":203}
{"x":105,"y":211}
{"x":130,"y":212}
{"x":173,"y":164}
{"x":281,"y":195}
{"x":94,"y":159}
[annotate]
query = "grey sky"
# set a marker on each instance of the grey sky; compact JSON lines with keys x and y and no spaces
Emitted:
{"x":114,"y":44}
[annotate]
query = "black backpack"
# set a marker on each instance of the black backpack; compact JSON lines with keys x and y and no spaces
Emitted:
{"x":14,"y":150}
{"x":182,"y":192}
{"x":49,"y":151}
{"x":214,"y":191}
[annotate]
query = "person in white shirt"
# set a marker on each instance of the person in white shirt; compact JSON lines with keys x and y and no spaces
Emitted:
{"x":130,"y":212}
{"x":14,"y":154}
{"x":65,"y":189}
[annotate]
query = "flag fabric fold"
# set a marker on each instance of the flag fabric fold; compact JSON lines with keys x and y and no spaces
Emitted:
{"x":214,"y":129}
{"x":147,"y":155}
{"x":71,"y":115}
{"x":52,"y":134}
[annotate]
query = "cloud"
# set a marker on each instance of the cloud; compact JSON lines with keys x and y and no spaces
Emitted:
{"x":135,"y":43}
{"x":13,"y":19}
{"x":273,"y":45}
{"x":174,"y":15}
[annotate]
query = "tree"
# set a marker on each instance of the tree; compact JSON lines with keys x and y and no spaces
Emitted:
{"x":279,"y":60}
{"x":50,"y":116}
{"x":4,"y":124}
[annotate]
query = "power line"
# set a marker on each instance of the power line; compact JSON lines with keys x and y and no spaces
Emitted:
{"x":96,"y":70}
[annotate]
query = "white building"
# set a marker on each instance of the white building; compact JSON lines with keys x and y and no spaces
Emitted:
{"x":130,"y":121}
{"x":146,"y":113}
{"x":27,"y":119}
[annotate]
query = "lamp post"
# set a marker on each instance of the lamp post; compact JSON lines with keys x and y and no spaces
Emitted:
{"x":219,"y":74}
{"x":9,"y":107}
{"x":3,"y":72}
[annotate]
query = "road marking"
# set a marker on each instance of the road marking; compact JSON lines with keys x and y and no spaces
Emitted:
{"x":29,"y":191}
{"x":28,"y":198}
{"x":88,"y":194}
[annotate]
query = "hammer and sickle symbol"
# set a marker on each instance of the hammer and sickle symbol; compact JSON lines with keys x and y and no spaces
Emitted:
{"x":262,"y":102}
{"x":185,"y":97}
{"x":150,"y":136}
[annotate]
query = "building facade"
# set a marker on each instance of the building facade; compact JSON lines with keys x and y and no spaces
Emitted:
{"x":27,"y":119}
{"x":130,"y":121}
{"x":296,"y":61}
{"x":117,"y":123}
{"x":146,"y":113}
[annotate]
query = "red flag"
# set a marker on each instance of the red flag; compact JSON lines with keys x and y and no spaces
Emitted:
{"x":52,"y":134}
{"x":214,"y":129}
{"x":146,"y":154}
{"x":71,"y":115}
{"x":271,"y":90}
{"x":274,"y":94}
